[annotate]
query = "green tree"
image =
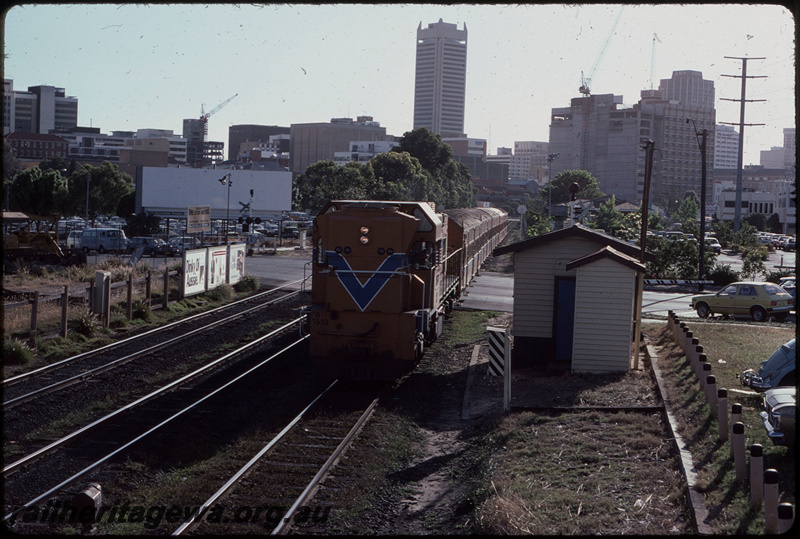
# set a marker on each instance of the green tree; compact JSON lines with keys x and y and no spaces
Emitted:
{"x":557,"y":191}
{"x":11,"y":168}
{"x":398,"y":176}
{"x":608,"y":217}
{"x":688,"y":211}
{"x":107,"y":186}
{"x":427,"y":147}
{"x":39,"y":192}
{"x":676,"y":259}
{"x":325,"y":180}
{"x":142,"y":224}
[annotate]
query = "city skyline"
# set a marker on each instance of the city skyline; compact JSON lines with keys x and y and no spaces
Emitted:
{"x":151,"y":66}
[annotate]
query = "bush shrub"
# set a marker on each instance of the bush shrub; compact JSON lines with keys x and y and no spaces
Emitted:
{"x":223,"y":292}
{"x":722,"y":274}
{"x":86,"y":324}
{"x":16,"y":352}
{"x":248,"y":283}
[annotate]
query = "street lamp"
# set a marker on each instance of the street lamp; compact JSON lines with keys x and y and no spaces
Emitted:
{"x":550,"y":158}
{"x":226,"y":180}
{"x":88,"y":182}
{"x":701,"y":141}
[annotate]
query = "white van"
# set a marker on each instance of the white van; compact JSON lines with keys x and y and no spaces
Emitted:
{"x":104,"y":239}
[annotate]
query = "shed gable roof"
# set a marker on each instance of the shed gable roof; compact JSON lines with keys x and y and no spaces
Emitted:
{"x":574,"y":231}
{"x":608,"y":253}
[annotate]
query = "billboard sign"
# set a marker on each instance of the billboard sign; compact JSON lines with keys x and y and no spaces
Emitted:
{"x":217,"y":266}
{"x":195,"y":263}
{"x":198,"y":219}
{"x":236,"y":254}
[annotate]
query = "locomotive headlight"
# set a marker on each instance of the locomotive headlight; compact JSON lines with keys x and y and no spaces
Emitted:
{"x":364,"y":230}
{"x":364,"y":240}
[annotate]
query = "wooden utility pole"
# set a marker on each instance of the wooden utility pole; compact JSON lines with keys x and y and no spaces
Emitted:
{"x":737,"y":216}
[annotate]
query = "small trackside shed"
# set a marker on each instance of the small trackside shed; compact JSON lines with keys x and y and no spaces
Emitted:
{"x":574,"y":292}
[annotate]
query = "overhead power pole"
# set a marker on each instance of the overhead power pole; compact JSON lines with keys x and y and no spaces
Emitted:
{"x":737,"y":215}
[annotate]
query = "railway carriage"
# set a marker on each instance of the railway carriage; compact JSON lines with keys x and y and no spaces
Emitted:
{"x":385,"y":274}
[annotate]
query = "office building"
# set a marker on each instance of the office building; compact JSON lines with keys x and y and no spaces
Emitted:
{"x":252,"y":133}
{"x":790,"y":146}
{"x":726,"y":147}
{"x":40,"y":109}
{"x":529,"y":161}
{"x":313,"y":142}
{"x":441,"y":77}
{"x":598,"y":134}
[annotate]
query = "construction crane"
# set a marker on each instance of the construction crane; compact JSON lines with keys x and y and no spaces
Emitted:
{"x":586,"y":82}
{"x":203,"y":152}
{"x":205,"y":115}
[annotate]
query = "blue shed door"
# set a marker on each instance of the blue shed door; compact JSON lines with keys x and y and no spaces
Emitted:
{"x":564,"y":318}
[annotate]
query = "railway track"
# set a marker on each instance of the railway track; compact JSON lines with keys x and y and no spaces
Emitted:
{"x":72,"y":392}
{"x":82,"y":459}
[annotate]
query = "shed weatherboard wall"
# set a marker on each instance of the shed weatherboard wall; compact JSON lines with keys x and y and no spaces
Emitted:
{"x":534,"y":283}
{"x":603,"y":334}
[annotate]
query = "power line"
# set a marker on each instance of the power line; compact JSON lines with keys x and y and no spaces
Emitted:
{"x":737,"y":215}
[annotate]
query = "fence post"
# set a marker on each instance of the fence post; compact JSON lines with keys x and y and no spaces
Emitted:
{"x":756,"y":474}
{"x":736,"y":417}
{"x":711,"y":393}
{"x":130,"y":296}
{"x":737,"y":441}
{"x":722,"y":406}
{"x":701,"y":360}
{"x":785,"y":517}
{"x":166,"y":287}
{"x":107,"y":304}
{"x":90,"y":295}
{"x":771,"y":501}
{"x":147,"y":287}
{"x":64,"y":305}
{"x":34,"y":317}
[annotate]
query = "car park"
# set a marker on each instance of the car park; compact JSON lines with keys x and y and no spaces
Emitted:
{"x":150,"y":246}
{"x":779,"y":415}
{"x":777,"y":371}
{"x":758,"y":299}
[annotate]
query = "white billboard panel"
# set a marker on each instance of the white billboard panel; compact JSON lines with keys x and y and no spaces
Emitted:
{"x":217,"y":266}
{"x":236,"y":256}
{"x":195,"y":264}
{"x":170,"y":191}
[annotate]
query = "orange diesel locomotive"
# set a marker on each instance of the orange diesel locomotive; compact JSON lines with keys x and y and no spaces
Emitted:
{"x":385,"y":273}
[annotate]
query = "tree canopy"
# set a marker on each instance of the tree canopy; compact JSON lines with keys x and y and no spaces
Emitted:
{"x":420,"y":168}
{"x":557,"y":190}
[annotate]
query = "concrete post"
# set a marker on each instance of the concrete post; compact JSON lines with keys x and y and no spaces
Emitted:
{"x":736,"y":417}
{"x":785,"y":517}
{"x":756,"y":474}
{"x":711,"y":393}
{"x":771,"y":501}
{"x":737,"y":441}
{"x":722,"y":406}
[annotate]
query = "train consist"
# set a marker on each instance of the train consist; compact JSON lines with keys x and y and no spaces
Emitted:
{"x":385,"y":274}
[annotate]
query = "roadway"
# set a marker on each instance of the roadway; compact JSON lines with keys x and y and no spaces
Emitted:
{"x":494,"y":291}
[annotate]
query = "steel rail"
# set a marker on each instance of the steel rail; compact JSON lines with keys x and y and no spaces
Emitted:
{"x":66,"y":361}
{"x":138,"y":402}
{"x":130,"y":357}
{"x":311,"y":488}
{"x":67,"y":482}
{"x":201,"y":510}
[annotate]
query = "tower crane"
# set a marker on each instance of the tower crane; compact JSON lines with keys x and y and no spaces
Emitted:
{"x":586,"y":82}
{"x":205,"y":115}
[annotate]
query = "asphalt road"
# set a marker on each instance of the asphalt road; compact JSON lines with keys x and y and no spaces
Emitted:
{"x":489,"y":291}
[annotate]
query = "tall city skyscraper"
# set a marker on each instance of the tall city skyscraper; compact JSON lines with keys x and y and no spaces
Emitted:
{"x":441,"y":78}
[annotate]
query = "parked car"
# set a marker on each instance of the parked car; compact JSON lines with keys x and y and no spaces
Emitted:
{"x":789,"y":245}
{"x":788,"y":284}
{"x":150,"y":245}
{"x":714,"y":245}
{"x":779,"y":415}
{"x":74,"y":239}
{"x":177,"y":245}
{"x":777,"y":371}
{"x":758,"y":299}
{"x":104,"y":239}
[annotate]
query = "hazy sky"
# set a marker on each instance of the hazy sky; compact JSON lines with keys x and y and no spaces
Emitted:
{"x":150,"y":66}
